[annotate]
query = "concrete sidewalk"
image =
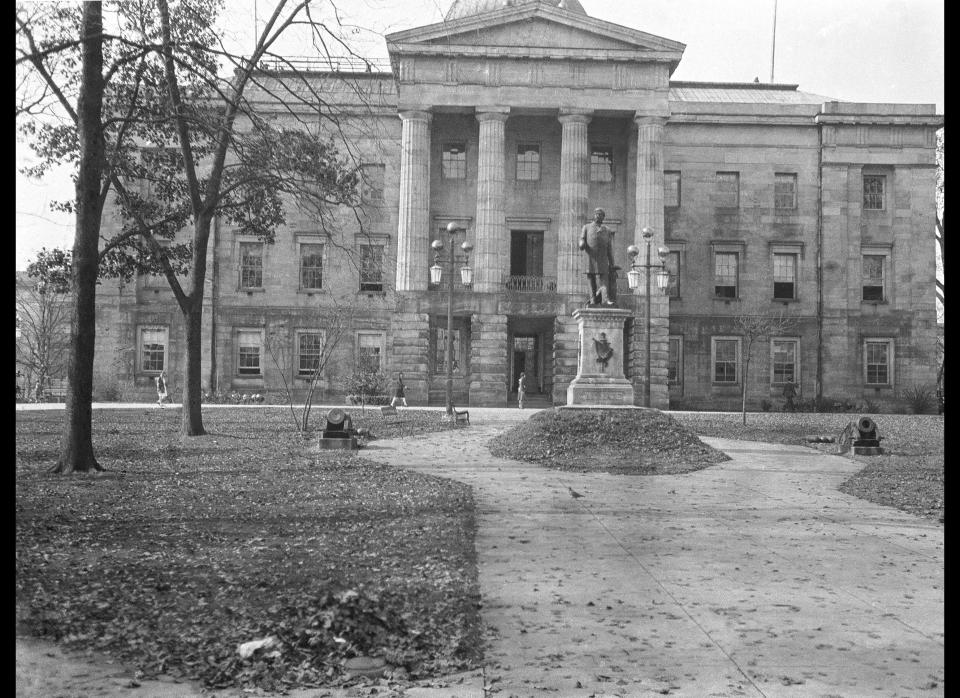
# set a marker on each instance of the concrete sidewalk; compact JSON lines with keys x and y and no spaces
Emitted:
{"x":755,"y":577}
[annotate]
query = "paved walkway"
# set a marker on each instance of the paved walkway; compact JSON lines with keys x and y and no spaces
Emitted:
{"x":755,"y":577}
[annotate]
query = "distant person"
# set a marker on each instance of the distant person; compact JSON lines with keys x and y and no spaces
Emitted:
{"x":789,"y":392}
{"x":161,"y":388}
{"x":521,"y":389}
{"x":399,"y":397}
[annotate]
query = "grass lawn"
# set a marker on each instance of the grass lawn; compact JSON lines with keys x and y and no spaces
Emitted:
{"x":909,"y":476}
{"x":184,"y":550}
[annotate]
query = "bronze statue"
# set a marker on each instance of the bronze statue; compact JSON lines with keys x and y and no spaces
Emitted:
{"x":604,"y":350}
{"x":596,"y":240}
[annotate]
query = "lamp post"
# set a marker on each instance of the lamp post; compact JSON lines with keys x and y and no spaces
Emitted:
{"x":663,"y":280}
{"x":436,"y":274}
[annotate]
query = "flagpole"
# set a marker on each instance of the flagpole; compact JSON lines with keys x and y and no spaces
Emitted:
{"x":773,"y":42}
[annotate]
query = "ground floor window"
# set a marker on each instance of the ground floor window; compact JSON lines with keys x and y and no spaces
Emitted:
{"x":675,"y":360}
{"x":370,"y":350}
{"x":725,"y":357}
{"x":153,"y":349}
{"x":249,"y":350}
{"x":878,"y":362}
{"x":784,"y":360}
{"x":309,"y":352}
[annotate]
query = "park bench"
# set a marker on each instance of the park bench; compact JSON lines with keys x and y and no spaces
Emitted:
{"x":460,"y":416}
{"x":391,"y":411}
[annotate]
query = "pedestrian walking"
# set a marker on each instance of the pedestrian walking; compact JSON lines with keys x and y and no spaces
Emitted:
{"x":399,"y":398}
{"x":789,"y":392}
{"x":521,"y":389}
{"x":161,"y":388}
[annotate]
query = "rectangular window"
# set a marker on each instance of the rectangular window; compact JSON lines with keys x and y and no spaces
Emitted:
{"x":671,"y":190}
{"x":370,"y":350}
{"x":371,"y":267}
{"x":248,"y":352}
{"x":371,"y":182}
{"x":878,"y":361}
{"x":784,"y":276}
{"x":728,"y":189}
{"x":528,"y":161}
{"x":311,"y":266}
{"x":726,"y":360}
{"x":309,"y":352}
{"x":440,"y":350}
{"x":784,"y":360}
{"x":784,"y":191}
{"x":873,"y":277}
{"x":674,"y":360}
{"x":453,"y":161}
{"x":672,"y":264}
{"x":725,"y":274}
{"x":153,"y":349}
{"x":601,"y":163}
{"x":873,"y":191}
{"x":251,"y":265}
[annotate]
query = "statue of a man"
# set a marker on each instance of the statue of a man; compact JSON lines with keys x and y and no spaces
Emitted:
{"x":596,"y":240}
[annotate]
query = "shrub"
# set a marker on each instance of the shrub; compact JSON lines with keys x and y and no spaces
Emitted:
{"x":766,"y":405}
{"x":918,"y":398}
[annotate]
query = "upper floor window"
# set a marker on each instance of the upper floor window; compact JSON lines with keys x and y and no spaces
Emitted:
{"x":371,"y":182}
{"x":784,"y":276}
{"x":873,"y":192}
{"x":728,"y":189}
{"x":671,"y":190}
{"x":726,"y":274}
{"x":153,"y":349}
{"x":311,"y":266}
{"x":784,"y":191}
{"x":874,"y":277}
{"x":251,"y":265}
{"x":601,"y":163}
{"x":371,"y":267}
{"x":528,"y":161}
{"x":453,"y":161}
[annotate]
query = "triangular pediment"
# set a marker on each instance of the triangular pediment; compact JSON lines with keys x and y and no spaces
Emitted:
{"x":533,"y":26}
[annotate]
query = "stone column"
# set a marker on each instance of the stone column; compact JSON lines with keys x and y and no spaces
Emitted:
{"x":574,"y":190}
{"x":649,"y":198}
{"x":492,"y":248}
{"x":413,"y":229}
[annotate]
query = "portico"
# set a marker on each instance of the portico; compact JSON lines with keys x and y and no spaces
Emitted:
{"x":582,"y":103}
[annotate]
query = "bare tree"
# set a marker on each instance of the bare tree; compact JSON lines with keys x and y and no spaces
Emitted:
{"x":940,"y":214}
{"x":753,"y":324}
{"x":334,"y":324}
{"x":43,"y":331}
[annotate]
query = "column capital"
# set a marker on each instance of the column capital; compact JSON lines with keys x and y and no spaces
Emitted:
{"x":646,"y":118}
{"x":575,"y":116}
{"x":492,"y":113}
{"x":415,"y":114}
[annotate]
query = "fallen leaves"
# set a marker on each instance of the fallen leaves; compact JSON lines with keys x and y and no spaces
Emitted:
{"x":196,"y":547}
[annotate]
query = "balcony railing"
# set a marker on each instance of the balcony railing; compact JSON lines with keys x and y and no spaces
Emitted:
{"x":525,"y":283}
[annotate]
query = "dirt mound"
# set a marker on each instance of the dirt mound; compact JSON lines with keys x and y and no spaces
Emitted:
{"x":625,"y":441}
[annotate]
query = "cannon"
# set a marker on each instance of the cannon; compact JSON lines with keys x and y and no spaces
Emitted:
{"x":339,"y":431}
{"x":862,"y":436}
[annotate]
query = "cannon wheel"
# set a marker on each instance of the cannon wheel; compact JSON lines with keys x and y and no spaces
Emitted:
{"x":845,"y":440}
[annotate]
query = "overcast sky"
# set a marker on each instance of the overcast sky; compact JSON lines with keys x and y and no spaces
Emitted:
{"x":856,"y":50}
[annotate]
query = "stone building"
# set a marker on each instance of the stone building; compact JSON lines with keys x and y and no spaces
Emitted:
{"x":514,"y":120}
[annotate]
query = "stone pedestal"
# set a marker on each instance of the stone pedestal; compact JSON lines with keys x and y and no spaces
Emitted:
{"x":600,"y":380}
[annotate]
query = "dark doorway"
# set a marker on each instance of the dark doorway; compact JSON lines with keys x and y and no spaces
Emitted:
{"x":526,"y":359}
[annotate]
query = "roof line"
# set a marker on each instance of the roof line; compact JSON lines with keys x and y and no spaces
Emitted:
{"x":739,"y":85}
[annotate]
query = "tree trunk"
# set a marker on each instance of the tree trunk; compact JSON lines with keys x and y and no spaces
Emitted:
{"x":76,"y":443}
{"x":192,"y":416}
{"x":743,"y":393}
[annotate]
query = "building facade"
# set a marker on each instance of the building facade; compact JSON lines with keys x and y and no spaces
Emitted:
{"x":514,"y":120}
